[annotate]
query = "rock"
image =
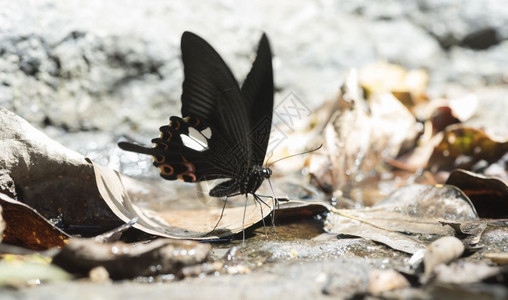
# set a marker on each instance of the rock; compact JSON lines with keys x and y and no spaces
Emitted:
{"x":441,"y":251}
{"x":386,"y":280}
{"x":115,"y":68}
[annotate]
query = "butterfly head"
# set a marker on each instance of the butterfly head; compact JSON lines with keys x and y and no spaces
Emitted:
{"x":266,"y":172}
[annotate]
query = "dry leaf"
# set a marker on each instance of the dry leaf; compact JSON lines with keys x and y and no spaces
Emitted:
{"x":340,"y":223}
{"x":441,"y":118}
{"x":414,"y":209}
{"x":358,"y":137}
{"x":417,"y":158}
{"x":185,"y":223}
{"x":461,"y":109}
{"x":392,"y":125}
{"x":489,"y":195}
{"x":27,"y":228}
{"x":463,"y":147}
{"x":497,"y":257}
{"x":469,"y":232}
{"x":347,"y":138}
{"x":408,"y":86}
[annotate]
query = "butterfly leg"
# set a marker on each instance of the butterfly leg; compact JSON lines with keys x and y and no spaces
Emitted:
{"x":258,"y":199}
{"x":276,"y":199}
{"x":243,"y":219}
{"x":272,"y":210}
{"x":221,"y":214}
{"x":276,"y":204}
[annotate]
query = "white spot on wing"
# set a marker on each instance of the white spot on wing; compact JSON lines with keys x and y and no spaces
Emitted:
{"x":207,"y":132}
{"x":195,"y":140}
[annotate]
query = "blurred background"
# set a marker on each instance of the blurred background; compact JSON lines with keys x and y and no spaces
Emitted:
{"x":89,"y":72}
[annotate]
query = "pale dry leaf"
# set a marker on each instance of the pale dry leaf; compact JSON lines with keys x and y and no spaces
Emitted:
{"x":336,"y":223}
{"x":186,"y":223}
{"x":384,"y":77}
{"x":392,"y":125}
{"x":497,"y":257}
{"x":359,"y":136}
{"x":463,"y":108}
{"x":411,"y":211}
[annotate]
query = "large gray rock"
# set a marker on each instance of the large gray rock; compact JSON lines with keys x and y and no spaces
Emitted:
{"x":114,"y":66}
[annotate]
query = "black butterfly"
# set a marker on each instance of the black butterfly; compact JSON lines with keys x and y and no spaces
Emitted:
{"x":229,"y":123}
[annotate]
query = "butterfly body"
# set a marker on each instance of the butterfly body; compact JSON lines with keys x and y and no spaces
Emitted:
{"x":250,"y":181}
{"x":224,"y":131}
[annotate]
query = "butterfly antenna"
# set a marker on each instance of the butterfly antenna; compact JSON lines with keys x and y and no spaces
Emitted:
{"x":269,"y":156}
{"x":293,"y":155}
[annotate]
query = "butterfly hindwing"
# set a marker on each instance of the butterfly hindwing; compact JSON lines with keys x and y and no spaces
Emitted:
{"x":173,"y":158}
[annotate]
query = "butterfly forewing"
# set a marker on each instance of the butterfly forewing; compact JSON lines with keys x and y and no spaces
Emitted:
{"x":211,"y":93}
{"x":257,"y":91}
